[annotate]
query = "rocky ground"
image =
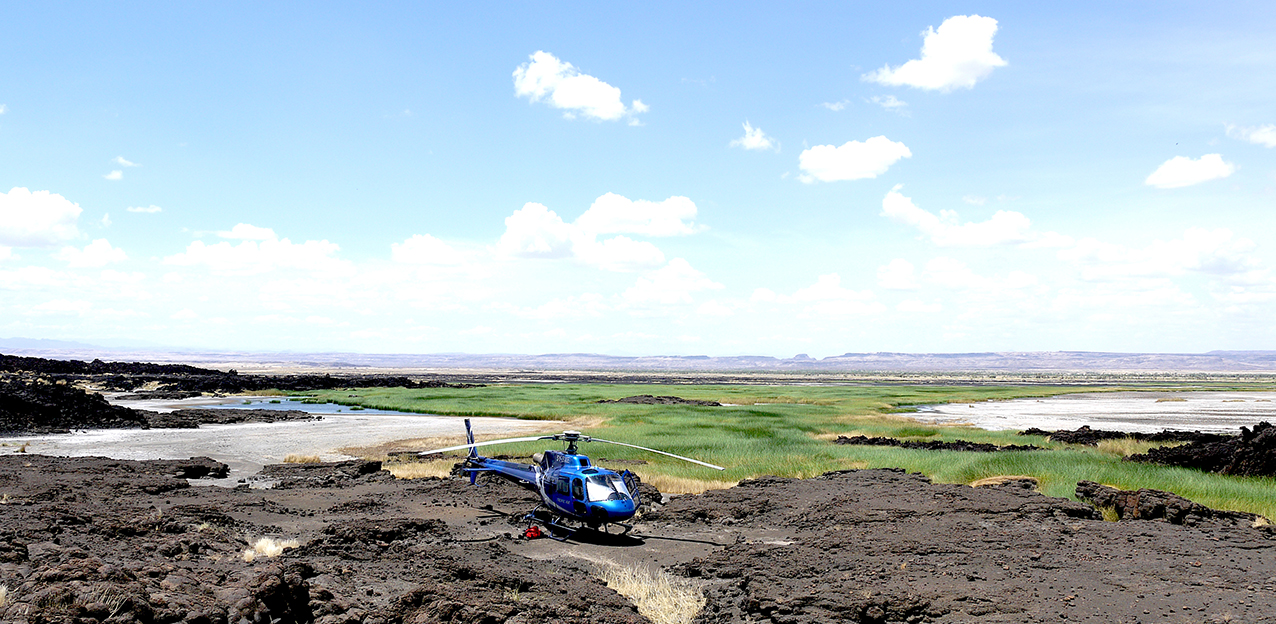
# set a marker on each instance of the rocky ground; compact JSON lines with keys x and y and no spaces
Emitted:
{"x":92,"y":540}
{"x":1252,"y":453}
{"x":36,"y":405}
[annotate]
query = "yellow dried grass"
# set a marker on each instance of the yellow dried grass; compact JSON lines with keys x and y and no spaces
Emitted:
{"x":420,"y":469}
{"x":682,"y":485}
{"x":293,"y":458}
{"x":658,"y":596}
{"x":999,"y":479}
{"x":268,"y":547}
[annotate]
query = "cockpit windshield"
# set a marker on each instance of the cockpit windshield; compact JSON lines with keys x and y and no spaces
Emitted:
{"x":606,"y":487}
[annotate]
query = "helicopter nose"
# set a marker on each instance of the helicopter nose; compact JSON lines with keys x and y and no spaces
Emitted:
{"x":614,"y":510}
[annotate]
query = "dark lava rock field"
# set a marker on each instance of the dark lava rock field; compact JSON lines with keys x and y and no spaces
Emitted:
{"x":98,"y":541}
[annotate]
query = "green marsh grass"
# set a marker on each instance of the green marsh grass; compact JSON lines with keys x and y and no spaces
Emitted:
{"x":788,"y":431}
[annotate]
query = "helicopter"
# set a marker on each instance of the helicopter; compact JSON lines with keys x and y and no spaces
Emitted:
{"x":571,"y":488}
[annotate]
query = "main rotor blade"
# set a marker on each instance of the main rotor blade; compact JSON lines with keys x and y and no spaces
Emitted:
{"x":466,"y":446}
{"x":694,"y":461}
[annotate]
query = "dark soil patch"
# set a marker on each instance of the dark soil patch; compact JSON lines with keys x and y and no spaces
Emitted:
{"x":1168,"y":507}
{"x":193,"y":418}
{"x":1252,"y":453}
{"x":86,"y":540}
{"x":647,"y":399}
{"x":936,"y":445}
{"x":42,"y":406}
{"x":1086,"y":435}
{"x":177,"y":380}
{"x":39,"y":406}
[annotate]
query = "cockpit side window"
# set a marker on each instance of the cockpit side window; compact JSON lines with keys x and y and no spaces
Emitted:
{"x":563,"y":487}
{"x":578,"y":490}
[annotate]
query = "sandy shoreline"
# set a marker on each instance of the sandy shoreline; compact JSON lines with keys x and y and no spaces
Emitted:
{"x":247,"y":447}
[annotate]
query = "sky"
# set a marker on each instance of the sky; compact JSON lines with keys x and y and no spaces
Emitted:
{"x":640,"y":178}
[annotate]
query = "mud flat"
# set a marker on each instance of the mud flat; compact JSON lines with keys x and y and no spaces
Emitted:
{"x":1147,"y":412}
{"x":86,"y":540}
{"x":246,"y":447}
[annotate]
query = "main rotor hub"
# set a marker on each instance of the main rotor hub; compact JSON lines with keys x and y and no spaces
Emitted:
{"x":572,"y":437}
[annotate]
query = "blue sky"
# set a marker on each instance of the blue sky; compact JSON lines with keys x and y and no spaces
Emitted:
{"x":719,"y":179}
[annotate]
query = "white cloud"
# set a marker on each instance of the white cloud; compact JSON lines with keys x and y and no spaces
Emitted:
{"x":956,"y":55}
{"x":62,"y":306}
{"x":114,"y":175}
{"x":424,"y":249}
{"x":852,"y":161}
{"x":36,"y":219}
{"x":974,"y":200}
{"x":152,"y":209}
{"x":1216,"y":252}
{"x":753,"y":139}
{"x":764,"y":295}
{"x":5,"y":253}
{"x":185,"y":314}
{"x":245,"y":231}
{"x":1005,"y":226}
{"x":913,"y":305}
{"x":106,"y":220}
{"x":890,"y":103}
{"x":673,"y":283}
{"x":123,"y":162}
{"x":953,"y":273}
{"x":586,"y":305}
{"x":835,"y":106}
{"x":898,"y":274}
{"x":1264,"y":135}
{"x":546,"y":77}
{"x":619,"y":253}
{"x":255,"y":256}
{"x":3,"y":109}
{"x":612,"y":213}
{"x":1182,"y":171}
{"x":826,"y":297}
{"x":715,"y":308}
{"x":535,"y":231}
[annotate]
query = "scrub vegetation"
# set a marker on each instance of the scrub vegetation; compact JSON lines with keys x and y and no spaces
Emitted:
{"x":658,"y":596}
{"x":788,"y":431}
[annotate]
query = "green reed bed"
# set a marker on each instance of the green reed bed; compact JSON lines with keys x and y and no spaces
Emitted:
{"x":788,"y":431}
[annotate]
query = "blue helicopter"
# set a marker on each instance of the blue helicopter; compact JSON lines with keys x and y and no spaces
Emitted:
{"x":571,"y":488}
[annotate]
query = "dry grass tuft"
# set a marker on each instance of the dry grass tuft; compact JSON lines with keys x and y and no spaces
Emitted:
{"x":4,"y":595}
{"x":420,"y":469}
{"x":1124,"y":447}
{"x":1173,"y":400}
{"x":293,"y":458}
{"x":268,"y":547}
{"x":1109,"y":513}
{"x":658,"y":596}
{"x":999,"y":479}
{"x":1261,"y":521}
{"x":682,"y":485}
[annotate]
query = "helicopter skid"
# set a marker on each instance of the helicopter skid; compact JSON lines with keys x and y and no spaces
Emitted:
{"x":555,"y":524}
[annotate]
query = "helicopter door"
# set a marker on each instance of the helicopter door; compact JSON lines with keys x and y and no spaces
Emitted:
{"x":578,"y":493}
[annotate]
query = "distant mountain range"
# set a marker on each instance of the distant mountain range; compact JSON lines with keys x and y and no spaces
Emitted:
{"x":1016,"y":361}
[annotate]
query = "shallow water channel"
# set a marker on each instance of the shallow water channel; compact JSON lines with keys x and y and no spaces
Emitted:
{"x":249,"y":446}
{"x":1146,"y":412}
